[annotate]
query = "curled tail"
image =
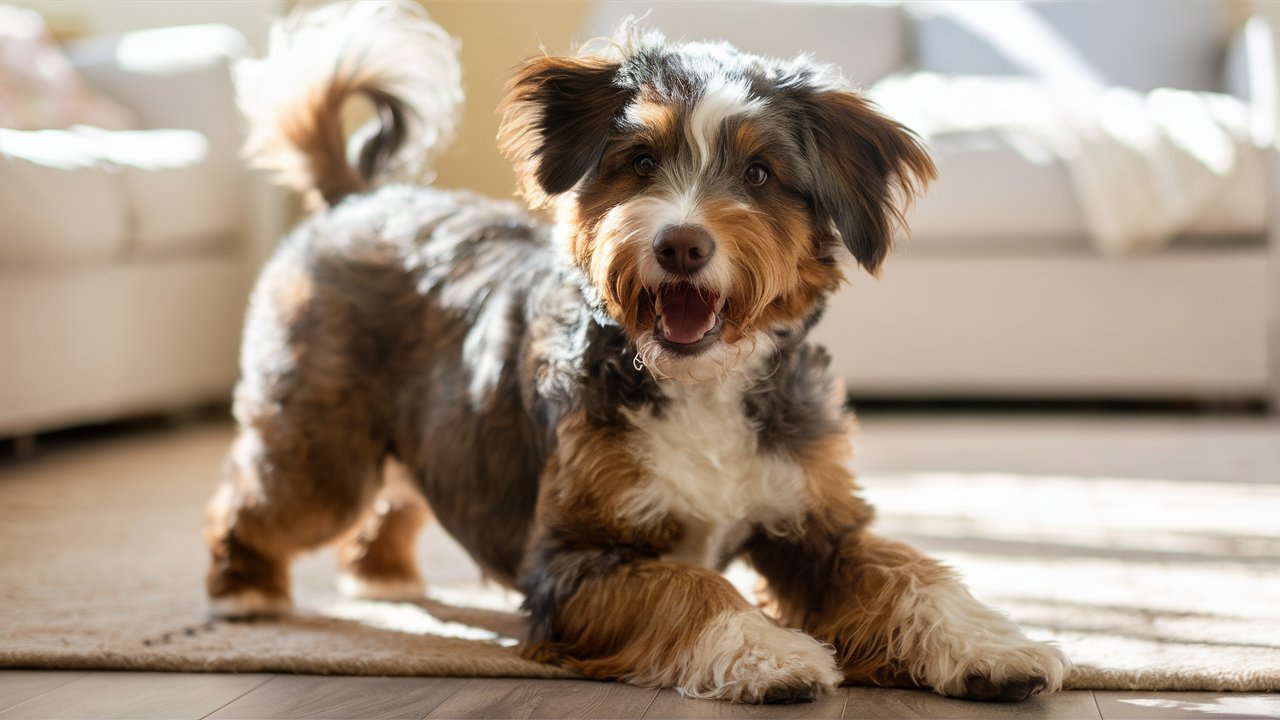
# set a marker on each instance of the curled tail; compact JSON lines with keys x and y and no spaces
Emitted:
{"x":388,"y":52}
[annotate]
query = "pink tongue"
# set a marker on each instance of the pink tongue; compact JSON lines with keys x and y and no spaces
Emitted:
{"x":687,"y":315}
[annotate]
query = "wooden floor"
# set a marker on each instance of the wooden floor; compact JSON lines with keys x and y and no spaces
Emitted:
{"x":70,"y":695}
{"x":1245,"y":450}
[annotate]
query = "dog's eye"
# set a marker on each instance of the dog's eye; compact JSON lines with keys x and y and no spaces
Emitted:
{"x":757,"y":174}
{"x":644,"y":165}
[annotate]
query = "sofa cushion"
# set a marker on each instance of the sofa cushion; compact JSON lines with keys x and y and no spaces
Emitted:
{"x":993,"y":193}
{"x":133,"y":192}
{"x":59,"y":204}
{"x":1033,"y":162}
{"x":990,"y":194}
{"x":180,"y":198}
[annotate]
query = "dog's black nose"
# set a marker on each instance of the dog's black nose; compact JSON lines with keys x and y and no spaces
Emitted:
{"x":683,"y":249}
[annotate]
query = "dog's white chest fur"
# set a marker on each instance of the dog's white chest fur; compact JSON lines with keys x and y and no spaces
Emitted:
{"x":705,"y":468}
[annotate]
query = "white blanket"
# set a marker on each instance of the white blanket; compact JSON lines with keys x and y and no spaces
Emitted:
{"x":1143,"y":165}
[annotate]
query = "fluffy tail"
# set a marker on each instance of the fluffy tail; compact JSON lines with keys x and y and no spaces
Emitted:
{"x":390,"y":53}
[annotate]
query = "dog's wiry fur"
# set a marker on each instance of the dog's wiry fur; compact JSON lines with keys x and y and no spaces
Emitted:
{"x":600,"y":426}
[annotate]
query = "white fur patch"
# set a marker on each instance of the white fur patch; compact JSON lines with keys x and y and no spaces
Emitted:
{"x":741,"y":656}
{"x":946,"y":635}
{"x":684,"y":206}
{"x":706,"y":468}
{"x":722,"y":99}
{"x":713,"y":365}
{"x":250,"y":603}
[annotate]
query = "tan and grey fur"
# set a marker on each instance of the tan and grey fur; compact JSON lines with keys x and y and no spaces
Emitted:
{"x":539,"y":386}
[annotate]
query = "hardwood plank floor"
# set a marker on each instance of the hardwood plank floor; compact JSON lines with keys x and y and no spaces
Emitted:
{"x":140,"y":696}
{"x":314,"y":696}
{"x":74,"y":695}
{"x":21,"y":685}
{"x":669,"y":704}
{"x":1155,"y":706}
{"x":503,"y":698}
{"x":875,"y":703}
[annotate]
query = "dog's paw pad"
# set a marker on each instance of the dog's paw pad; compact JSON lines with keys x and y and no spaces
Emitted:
{"x":788,"y":695}
{"x":981,"y":687}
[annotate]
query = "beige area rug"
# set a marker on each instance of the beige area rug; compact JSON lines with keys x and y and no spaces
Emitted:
{"x":1148,"y":584}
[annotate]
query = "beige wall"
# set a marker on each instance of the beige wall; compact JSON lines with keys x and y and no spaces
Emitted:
{"x":495,"y":37}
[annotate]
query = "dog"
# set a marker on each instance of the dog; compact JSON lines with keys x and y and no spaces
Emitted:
{"x":606,"y":409}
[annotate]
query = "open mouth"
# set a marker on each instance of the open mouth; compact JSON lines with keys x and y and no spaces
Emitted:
{"x":688,"y":317}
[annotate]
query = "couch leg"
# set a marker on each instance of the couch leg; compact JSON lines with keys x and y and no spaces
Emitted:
{"x":25,"y":446}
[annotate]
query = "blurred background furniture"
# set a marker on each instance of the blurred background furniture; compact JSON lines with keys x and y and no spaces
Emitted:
{"x":999,"y":293}
{"x":124,"y":289}
{"x":126,"y":256}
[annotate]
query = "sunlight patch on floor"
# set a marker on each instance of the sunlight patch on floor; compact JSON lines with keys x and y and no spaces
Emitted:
{"x":409,"y":618}
{"x":1234,"y":706}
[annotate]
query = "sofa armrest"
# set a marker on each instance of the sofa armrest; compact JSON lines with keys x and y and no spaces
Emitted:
{"x":1249,"y":73}
{"x":176,"y":77}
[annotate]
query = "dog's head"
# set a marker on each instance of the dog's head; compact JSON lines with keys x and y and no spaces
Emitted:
{"x":707,"y":194}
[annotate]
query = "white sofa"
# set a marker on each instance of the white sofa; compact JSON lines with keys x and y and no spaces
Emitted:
{"x":125,"y":259}
{"x":998,"y":292}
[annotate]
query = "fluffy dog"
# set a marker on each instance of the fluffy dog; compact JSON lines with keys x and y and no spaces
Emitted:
{"x":604,"y":410}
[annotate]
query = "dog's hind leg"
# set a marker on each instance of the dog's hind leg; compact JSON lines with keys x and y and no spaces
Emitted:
{"x":377,"y":561}
{"x":298,"y":476}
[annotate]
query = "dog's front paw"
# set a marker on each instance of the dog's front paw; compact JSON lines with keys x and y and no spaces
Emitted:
{"x":997,"y":664}
{"x":964,"y":649}
{"x":1009,"y":672}
{"x":745,"y":657}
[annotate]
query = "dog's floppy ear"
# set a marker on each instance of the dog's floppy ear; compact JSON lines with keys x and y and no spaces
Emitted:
{"x":869,"y":170}
{"x":555,"y":120}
